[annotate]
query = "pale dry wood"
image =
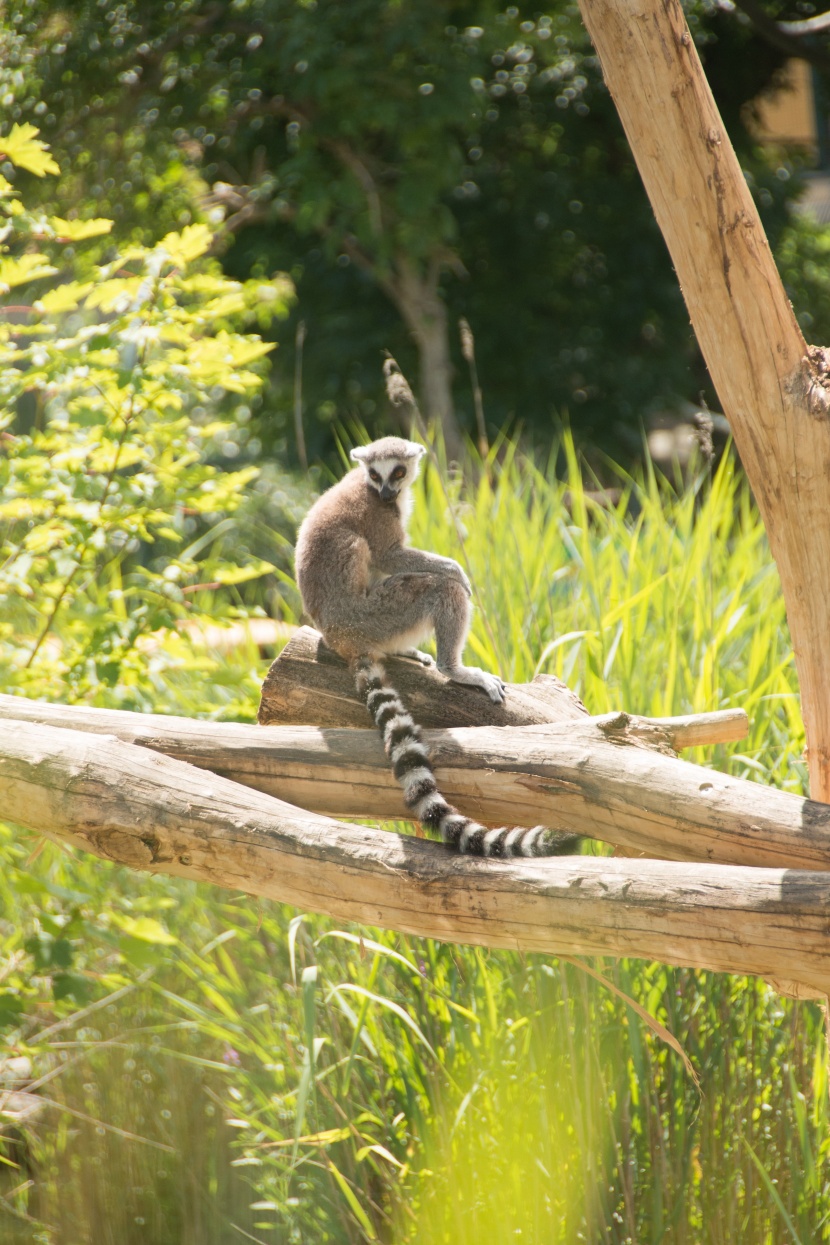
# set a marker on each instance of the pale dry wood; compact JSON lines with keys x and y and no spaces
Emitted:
{"x":690,"y":730}
{"x":309,"y":685}
{"x":580,"y":776}
{"x":769,"y":385}
{"x":148,"y":811}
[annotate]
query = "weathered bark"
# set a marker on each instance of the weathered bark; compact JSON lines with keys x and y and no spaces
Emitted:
{"x":590,"y":776}
{"x":151,"y":812}
{"x":309,"y":685}
{"x":771,"y":389}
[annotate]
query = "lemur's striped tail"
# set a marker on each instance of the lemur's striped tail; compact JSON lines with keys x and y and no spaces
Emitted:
{"x":411,"y":766}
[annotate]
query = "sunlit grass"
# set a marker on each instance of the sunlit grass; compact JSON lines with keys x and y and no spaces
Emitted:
{"x":385,"y":1088}
{"x":662,"y":602}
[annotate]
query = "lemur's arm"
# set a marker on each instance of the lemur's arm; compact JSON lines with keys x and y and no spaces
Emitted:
{"x":400,"y":558}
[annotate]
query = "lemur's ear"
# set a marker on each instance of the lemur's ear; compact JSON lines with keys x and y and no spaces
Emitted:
{"x":421,"y":450}
{"x":358,"y":453}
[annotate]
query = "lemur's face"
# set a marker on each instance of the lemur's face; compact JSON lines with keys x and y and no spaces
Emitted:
{"x":389,"y":474}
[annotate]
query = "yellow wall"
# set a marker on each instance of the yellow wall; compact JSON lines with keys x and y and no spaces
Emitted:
{"x":788,"y":116}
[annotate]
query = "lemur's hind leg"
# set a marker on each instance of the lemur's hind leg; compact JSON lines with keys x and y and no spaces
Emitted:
{"x":452,"y":623}
{"x":399,"y":611}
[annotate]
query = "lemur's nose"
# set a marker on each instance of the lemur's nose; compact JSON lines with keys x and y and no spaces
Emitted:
{"x":388,"y":493}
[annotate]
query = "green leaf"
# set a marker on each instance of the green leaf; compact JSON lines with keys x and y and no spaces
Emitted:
{"x":390,"y":1005}
{"x":11,"y":1006}
{"x":242,"y":574}
{"x":63,"y":298}
{"x":382,"y":1151}
{"x":773,"y":1192}
{"x":182,"y":248}
{"x":77,"y":230}
{"x":24,"y":269}
{"x":144,"y":928}
{"x":357,"y":1210}
{"x":26,"y":151}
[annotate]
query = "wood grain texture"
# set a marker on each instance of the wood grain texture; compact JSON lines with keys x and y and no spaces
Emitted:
{"x":309,"y":685}
{"x":582,"y":776}
{"x":772,"y":389}
{"x":148,"y":811}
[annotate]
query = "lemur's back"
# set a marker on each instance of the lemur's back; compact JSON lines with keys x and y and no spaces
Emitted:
{"x":341,"y":533}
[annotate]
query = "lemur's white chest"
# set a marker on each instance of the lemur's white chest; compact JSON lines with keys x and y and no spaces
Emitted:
{"x":405,"y":504}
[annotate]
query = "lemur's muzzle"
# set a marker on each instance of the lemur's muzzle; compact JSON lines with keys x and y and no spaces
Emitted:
{"x":387,"y":493}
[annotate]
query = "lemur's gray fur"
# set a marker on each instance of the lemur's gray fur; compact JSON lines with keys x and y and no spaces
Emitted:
{"x":371,"y":595}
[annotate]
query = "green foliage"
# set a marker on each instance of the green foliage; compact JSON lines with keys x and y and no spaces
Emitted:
{"x":346,"y":1085}
{"x":472,"y":147}
{"x":117,"y":393}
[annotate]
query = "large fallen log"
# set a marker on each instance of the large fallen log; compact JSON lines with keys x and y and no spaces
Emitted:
{"x":148,"y":811}
{"x":309,"y":685}
{"x":590,"y":776}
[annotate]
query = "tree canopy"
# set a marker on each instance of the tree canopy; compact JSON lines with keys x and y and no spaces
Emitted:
{"x":408,"y":163}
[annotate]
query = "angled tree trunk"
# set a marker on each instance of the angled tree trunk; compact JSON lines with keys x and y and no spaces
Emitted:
{"x":771,"y":385}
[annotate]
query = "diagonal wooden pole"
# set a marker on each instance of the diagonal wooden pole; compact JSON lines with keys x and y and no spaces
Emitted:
{"x":771,"y":386}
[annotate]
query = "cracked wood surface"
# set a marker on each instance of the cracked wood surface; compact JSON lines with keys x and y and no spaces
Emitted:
{"x":148,"y":811}
{"x":309,"y":685}
{"x":773,"y":390}
{"x":588,"y":776}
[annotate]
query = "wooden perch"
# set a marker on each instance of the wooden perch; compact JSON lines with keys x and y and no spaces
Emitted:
{"x":148,"y":811}
{"x":590,"y":775}
{"x":309,"y":685}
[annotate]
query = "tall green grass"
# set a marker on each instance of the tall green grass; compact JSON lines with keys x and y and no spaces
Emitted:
{"x":321,"y":1084}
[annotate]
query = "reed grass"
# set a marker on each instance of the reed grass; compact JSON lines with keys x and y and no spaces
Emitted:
{"x":322,"y":1084}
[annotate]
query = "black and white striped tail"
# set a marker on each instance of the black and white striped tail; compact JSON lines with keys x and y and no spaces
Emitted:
{"x":411,"y":766}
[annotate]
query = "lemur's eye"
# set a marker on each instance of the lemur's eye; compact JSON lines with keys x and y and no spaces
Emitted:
{"x":374,"y":475}
{"x":398,"y":473}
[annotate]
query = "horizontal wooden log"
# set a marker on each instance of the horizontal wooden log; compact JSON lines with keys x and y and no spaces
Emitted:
{"x":152,"y":812}
{"x":309,"y":685}
{"x":589,"y":776}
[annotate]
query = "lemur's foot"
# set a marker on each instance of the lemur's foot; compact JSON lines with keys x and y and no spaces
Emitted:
{"x":474,"y":677}
{"x":415,"y":654}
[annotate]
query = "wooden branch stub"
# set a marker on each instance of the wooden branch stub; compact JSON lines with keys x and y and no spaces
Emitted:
{"x":309,"y":685}
{"x":148,"y":811}
{"x":691,"y":730}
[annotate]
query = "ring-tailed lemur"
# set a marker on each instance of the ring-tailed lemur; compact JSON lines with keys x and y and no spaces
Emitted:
{"x":371,"y":595}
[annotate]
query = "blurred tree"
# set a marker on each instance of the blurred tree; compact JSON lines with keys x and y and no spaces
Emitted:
{"x":436,"y":158}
